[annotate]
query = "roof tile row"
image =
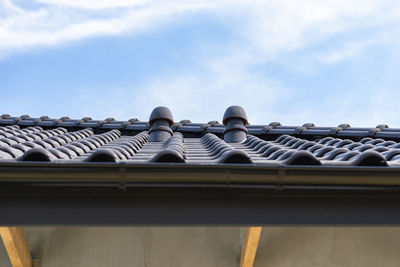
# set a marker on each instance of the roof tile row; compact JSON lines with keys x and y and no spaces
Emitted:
{"x":86,"y":140}
{"x":187,"y":127}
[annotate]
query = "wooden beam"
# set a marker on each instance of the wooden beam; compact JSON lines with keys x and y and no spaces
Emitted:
{"x":249,"y":247}
{"x":17,"y":249}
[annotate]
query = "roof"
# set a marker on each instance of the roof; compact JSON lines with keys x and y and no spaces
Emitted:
{"x":65,"y":141}
{"x":67,"y":171}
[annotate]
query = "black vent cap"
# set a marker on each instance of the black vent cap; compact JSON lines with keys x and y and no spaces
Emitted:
{"x":161,"y":113}
{"x":235,"y":112}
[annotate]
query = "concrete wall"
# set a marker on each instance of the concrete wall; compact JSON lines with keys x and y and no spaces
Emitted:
{"x":333,"y":247}
{"x":209,"y":246}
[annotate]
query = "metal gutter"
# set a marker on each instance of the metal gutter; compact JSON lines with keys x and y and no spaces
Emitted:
{"x":191,"y":174}
{"x":182,"y":194}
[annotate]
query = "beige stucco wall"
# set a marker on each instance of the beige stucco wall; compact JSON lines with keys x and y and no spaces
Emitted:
{"x":344,"y":247}
{"x":210,"y":246}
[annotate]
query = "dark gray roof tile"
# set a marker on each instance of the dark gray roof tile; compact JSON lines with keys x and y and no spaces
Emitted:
{"x":302,"y":158}
{"x":103,"y":155}
{"x":67,"y":140}
{"x":37,"y":154}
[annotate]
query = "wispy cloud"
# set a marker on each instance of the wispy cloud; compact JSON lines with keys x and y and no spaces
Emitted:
{"x":265,"y":32}
{"x":95,"y":4}
{"x":269,"y":26}
{"x":59,"y":22}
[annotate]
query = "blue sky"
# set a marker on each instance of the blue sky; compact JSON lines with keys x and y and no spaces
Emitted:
{"x":326,"y":62}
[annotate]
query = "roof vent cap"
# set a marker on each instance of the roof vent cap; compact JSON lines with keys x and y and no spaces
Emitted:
{"x":160,"y":122}
{"x":235,"y":120}
{"x":161,"y":113}
{"x":235,"y":112}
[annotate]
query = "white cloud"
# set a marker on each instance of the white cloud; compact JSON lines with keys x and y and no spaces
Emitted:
{"x":55,"y":22}
{"x":353,"y":49}
{"x":264,"y":30}
{"x":267,"y":26}
{"x":95,"y":4}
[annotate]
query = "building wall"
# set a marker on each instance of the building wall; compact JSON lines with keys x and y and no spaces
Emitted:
{"x":333,"y":247}
{"x":210,"y":246}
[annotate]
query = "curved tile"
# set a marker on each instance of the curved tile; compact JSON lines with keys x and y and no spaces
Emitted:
{"x":235,"y":156}
{"x":347,"y":156}
{"x":168,"y":156}
{"x":37,"y":154}
{"x":173,"y":150}
{"x":103,"y":155}
{"x":389,"y":154}
{"x":369,"y":158}
{"x":302,"y":158}
{"x":322,"y":151}
{"x":334,"y":153}
{"x":329,"y":145}
{"x":119,"y":148}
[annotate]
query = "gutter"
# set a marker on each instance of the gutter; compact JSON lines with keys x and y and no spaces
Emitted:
{"x":190,"y":174}
{"x":173,"y":194}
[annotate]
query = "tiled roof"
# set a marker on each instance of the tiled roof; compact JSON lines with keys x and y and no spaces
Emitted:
{"x":68,"y":140}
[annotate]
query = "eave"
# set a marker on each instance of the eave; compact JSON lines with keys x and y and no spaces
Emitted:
{"x":182,"y":194}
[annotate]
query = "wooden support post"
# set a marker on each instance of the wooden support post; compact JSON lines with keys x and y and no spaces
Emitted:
{"x":250,"y":245}
{"x":17,"y":249}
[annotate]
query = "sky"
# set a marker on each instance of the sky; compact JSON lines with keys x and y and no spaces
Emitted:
{"x":325,"y":62}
